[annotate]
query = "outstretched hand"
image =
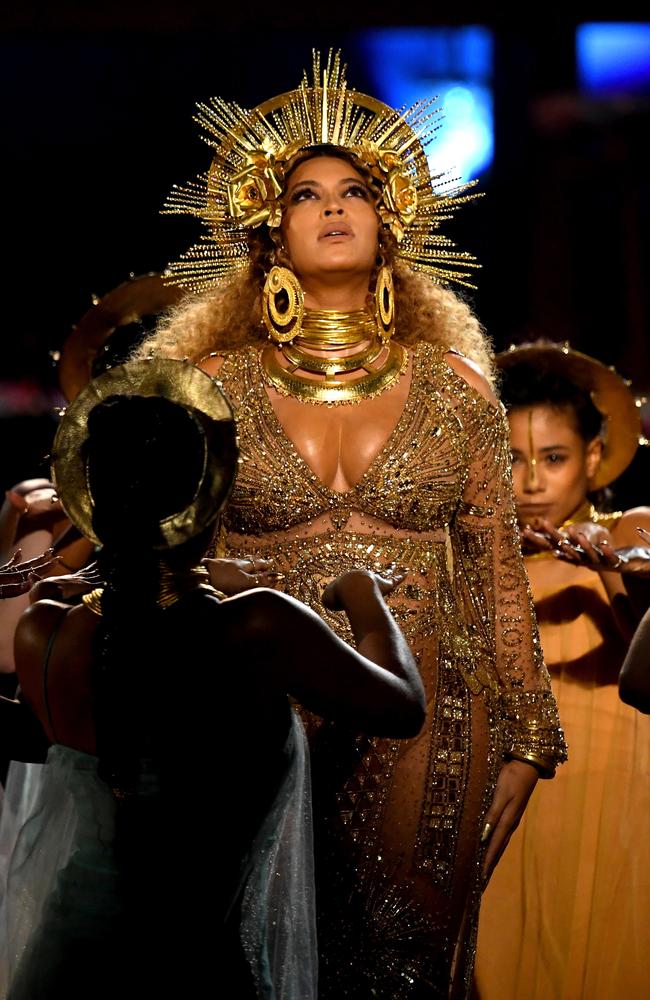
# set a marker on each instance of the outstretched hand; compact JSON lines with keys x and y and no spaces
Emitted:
{"x":234,"y":576}
{"x":336,"y":594}
{"x":590,"y":545}
{"x":514,"y":787}
{"x":17,"y":578}
{"x":67,"y":586}
{"x":567,"y":544}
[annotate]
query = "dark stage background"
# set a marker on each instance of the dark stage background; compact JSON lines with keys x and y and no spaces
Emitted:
{"x":96,"y":122}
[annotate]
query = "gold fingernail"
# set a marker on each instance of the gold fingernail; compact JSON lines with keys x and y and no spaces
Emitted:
{"x":487,"y":830}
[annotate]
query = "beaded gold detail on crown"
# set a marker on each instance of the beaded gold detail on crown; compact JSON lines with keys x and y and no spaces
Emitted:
{"x":254,"y":148}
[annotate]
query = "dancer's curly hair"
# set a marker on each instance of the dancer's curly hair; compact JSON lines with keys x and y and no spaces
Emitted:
{"x":526,"y":385}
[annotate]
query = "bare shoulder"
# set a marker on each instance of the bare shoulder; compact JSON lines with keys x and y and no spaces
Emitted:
{"x":624,"y":531}
{"x":211,"y":364}
{"x":37,"y":621}
{"x":262,"y":610}
{"x":33,"y":632}
{"x":44,"y":611}
{"x":472,"y":374}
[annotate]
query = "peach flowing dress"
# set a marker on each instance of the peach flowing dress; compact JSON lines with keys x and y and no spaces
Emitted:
{"x":566,"y":915}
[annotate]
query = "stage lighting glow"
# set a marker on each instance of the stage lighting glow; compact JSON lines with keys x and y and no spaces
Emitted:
{"x":454,"y":64}
{"x":613,"y":57}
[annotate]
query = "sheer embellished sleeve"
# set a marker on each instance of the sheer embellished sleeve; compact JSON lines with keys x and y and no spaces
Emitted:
{"x":489,"y":569}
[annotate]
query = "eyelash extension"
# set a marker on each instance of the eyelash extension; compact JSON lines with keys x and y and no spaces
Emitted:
{"x":298,"y":195}
{"x":301,"y":192}
{"x":363,"y":191}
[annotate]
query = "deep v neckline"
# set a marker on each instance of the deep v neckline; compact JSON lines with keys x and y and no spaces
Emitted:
{"x":289,"y":446}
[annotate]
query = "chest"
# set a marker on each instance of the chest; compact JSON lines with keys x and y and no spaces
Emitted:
{"x":400,"y":457}
{"x":339,"y":443}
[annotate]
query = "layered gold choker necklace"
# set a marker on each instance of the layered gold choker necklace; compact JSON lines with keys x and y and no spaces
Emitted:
{"x":378,"y":365}
{"x":172,"y":586}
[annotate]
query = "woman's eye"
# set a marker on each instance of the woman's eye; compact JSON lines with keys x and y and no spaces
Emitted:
{"x":515,"y":459}
{"x":555,"y":459}
{"x":302,"y":194}
{"x":357,"y":191}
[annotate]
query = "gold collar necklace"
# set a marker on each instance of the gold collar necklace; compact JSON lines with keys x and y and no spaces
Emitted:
{"x":322,"y":330}
{"x":171,"y":588}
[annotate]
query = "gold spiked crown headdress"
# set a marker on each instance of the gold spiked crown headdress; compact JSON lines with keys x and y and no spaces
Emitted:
{"x":253,"y":150}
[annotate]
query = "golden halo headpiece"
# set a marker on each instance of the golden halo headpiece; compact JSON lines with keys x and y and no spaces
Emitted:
{"x":253,"y":150}
{"x":610,"y":394}
{"x":144,"y":295}
{"x":183,"y":384}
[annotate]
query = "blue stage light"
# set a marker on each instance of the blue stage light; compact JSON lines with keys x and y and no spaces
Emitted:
{"x":454,"y":64}
{"x":613,"y":58}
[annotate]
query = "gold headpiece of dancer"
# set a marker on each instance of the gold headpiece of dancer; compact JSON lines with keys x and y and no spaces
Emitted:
{"x":181,"y":383}
{"x":253,"y":150}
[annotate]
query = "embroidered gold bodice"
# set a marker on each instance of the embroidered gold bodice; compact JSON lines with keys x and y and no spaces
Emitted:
{"x":414,"y":482}
{"x":438,"y":499}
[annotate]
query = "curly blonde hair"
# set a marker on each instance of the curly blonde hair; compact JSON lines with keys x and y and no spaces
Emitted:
{"x":229,"y":317}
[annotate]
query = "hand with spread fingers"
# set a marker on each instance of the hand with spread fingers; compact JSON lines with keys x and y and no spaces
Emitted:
{"x":67,"y":586}
{"x":17,"y":578}
{"x":579,"y":543}
{"x":338,"y":593}
{"x":590,"y":545}
{"x":234,"y":576}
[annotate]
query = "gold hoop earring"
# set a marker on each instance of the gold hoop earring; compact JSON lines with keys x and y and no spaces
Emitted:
{"x":385,"y":303}
{"x":283,"y":305}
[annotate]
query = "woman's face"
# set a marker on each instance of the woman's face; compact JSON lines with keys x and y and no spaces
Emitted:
{"x":551,"y":463}
{"x":329,"y":224}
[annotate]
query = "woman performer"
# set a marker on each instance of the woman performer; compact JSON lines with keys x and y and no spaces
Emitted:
{"x":367,"y":438}
{"x":113,"y":869}
{"x":31,"y":524}
{"x":573,"y":889}
{"x":31,"y":520}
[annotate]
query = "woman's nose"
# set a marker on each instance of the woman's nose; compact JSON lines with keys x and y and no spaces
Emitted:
{"x":533,"y":481}
{"x":332,"y":203}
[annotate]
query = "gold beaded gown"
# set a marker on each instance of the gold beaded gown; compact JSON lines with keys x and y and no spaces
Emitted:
{"x":397,"y":822}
